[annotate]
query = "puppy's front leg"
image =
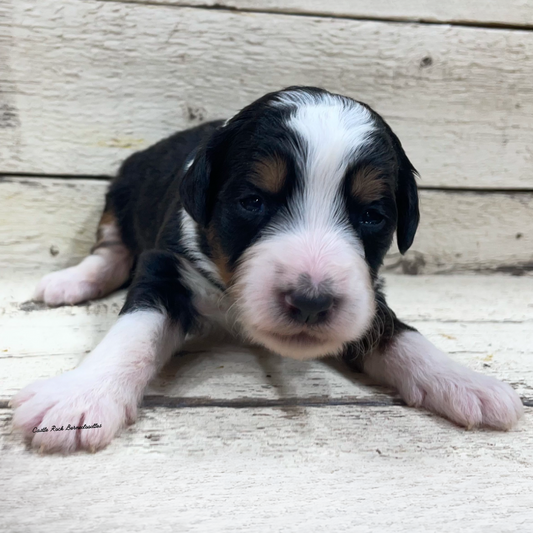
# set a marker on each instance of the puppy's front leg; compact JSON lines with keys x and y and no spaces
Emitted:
{"x":427,"y":377}
{"x":106,"y":388}
{"x":400,"y":357}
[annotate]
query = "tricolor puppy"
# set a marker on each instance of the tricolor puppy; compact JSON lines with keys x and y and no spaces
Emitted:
{"x":275,"y":223}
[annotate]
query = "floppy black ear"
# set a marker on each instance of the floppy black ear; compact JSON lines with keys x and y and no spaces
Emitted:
{"x":195,"y":185}
{"x":406,"y":201}
{"x":201,"y":181}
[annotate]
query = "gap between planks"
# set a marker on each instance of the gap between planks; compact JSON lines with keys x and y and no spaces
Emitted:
{"x":202,"y":64}
{"x":224,"y":5}
{"x":4,"y":176}
{"x":167,"y":402}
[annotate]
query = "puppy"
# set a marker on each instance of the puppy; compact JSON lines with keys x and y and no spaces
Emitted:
{"x":273,"y":223}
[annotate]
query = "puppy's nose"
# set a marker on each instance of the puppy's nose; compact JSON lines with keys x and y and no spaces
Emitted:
{"x":308,"y":309}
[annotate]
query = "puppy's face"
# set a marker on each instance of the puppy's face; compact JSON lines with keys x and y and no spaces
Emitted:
{"x":297,"y":198}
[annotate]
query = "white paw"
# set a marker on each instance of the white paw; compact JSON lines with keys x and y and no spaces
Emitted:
{"x":69,"y":286}
{"x":426,"y":377}
{"x":466,"y":398}
{"x":76,"y":398}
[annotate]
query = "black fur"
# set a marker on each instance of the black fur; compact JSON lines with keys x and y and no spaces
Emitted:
{"x":158,"y":285}
{"x":406,"y":199}
{"x":406,"y":192}
{"x":145,"y":193}
{"x":384,"y":328}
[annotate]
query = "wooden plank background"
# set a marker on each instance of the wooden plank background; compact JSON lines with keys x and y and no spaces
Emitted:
{"x":88,"y":82}
{"x":84,"y":84}
{"x":350,"y":469}
{"x":514,"y":13}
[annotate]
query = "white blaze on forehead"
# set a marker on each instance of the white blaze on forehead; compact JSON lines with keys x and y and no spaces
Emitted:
{"x":333,"y":130}
{"x":313,"y":236}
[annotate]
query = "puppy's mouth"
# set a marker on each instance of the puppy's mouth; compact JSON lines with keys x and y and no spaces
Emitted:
{"x":297,"y":339}
{"x":297,"y":345}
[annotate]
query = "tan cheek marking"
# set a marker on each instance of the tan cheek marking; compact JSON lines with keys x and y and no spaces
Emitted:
{"x":270,"y":174}
{"x":220,"y":259}
{"x":368,"y":186}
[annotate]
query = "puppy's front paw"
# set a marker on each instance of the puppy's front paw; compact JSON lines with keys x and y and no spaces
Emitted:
{"x":467,"y":398}
{"x":76,"y":398}
{"x":426,"y":377}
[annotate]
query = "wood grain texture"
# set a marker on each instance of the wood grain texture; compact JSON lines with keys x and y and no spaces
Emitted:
{"x":478,"y":12}
{"x":349,"y":468}
{"x":214,"y":373}
{"x":48,"y":223}
{"x":89,"y":82}
{"x":484,"y":322}
{"x":460,"y":231}
{"x":470,"y":231}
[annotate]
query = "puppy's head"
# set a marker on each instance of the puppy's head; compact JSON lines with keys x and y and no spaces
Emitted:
{"x":297,"y":198}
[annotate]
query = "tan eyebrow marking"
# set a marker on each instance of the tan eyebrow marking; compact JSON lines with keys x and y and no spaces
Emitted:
{"x":270,"y":174}
{"x":368,"y":185}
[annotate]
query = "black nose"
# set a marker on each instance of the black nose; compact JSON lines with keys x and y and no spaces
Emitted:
{"x":308,"y":309}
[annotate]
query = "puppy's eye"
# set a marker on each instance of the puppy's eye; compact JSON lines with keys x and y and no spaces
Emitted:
{"x":253,"y":203}
{"x":372,"y":217}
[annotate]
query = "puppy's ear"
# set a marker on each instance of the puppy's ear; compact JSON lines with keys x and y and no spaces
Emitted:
{"x":194,"y":187}
{"x":406,"y":200}
{"x":201,"y":182}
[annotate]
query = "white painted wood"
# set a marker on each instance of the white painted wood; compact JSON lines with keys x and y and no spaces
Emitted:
{"x":86,"y":83}
{"x":214,"y":372}
{"x":461,"y":299}
{"x":48,"y":223}
{"x":51,"y":223}
{"x":481,"y":12}
{"x":363,"y":469}
{"x":470,"y":231}
{"x":484,"y":322}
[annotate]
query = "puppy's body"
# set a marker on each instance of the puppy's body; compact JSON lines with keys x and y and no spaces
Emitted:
{"x":273,"y":223}
{"x":144,"y":196}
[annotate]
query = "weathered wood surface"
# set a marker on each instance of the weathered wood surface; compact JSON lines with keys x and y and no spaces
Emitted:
{"x":86,"y":83}
{"x":475,"y":12}
{"x":459,"y":230}
{"x":217,"y":470}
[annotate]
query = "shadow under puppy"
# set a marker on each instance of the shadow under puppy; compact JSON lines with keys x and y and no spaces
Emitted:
{"x":273,"y":224}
